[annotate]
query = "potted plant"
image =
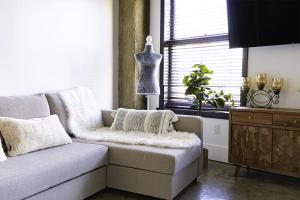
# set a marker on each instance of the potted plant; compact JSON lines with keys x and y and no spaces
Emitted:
{"x":197,"y":86}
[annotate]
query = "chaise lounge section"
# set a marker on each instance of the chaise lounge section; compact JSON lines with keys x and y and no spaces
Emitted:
{"x":153,"y":171}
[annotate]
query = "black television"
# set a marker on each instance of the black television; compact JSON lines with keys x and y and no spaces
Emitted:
{"x":254,"y":23}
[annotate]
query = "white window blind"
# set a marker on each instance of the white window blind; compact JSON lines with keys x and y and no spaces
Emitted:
{"x":195,"y":32}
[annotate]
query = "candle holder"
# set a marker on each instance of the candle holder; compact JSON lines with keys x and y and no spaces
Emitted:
{"x":261,"y":97}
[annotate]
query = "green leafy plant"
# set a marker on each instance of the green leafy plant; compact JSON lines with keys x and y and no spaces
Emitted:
{"x":197,"y":86}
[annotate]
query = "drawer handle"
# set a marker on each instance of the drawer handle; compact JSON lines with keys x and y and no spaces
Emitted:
{"x":249,"y":117}
{"x":295,"y":122}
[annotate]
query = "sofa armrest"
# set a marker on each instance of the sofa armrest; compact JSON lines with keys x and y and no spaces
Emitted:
{"x":192,"y":124}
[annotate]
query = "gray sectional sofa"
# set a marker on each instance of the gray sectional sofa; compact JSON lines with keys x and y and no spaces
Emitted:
{"x":78,"y":170}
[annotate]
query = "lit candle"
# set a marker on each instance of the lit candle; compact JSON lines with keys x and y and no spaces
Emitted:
{"x":277,"y":84}
{"x":261,"y":80}
{"x":246,"y":84}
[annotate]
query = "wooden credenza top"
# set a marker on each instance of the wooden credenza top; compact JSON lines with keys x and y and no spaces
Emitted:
{"x":267,"y":110}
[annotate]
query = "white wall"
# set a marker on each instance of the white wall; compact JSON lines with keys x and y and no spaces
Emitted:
{"x":283,"y":60}
{"x":48,"y":45}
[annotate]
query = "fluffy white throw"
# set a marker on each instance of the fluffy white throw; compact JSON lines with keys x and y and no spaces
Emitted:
{"x":170,"y":140}
{"x":83,"y":112}
{"x":84,"y":120}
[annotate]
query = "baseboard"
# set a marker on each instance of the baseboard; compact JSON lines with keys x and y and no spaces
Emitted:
{"x":217,"y":152}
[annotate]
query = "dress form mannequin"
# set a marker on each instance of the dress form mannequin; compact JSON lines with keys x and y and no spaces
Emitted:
{"x":148,"y":62}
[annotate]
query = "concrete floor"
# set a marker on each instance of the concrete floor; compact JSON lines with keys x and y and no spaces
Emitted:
{"x":219,"y":183}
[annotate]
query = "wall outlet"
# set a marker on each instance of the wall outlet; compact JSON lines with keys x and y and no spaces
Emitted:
{"x":217,"y":129}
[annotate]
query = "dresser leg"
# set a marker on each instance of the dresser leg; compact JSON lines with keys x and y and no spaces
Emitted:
{"x":237,"y":171}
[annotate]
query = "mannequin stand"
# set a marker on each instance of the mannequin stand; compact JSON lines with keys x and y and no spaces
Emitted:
{"x":148,"y":63}
{"x":148,"y":101}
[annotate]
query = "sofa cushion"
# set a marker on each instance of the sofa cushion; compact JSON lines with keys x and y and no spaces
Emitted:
{"x":162,"y":160}
{"x":57,"y":108}
{"x":26,"y":175}
{"x":24,"y":107}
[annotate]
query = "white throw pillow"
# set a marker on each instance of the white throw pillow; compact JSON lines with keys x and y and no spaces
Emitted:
{"x":83,"y":112}
{"x":2,"y":154}
{"x":151,"y":121}
{"x":22,"y":136}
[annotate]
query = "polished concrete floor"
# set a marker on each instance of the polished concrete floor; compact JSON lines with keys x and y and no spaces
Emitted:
{"x":219,"y":183}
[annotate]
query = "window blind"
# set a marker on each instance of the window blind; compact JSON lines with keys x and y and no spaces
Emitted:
{"x":195,"y":32}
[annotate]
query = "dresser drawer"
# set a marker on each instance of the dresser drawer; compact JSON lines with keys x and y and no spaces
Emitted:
{"x":286,"y":120}
{"x":251,"y":117}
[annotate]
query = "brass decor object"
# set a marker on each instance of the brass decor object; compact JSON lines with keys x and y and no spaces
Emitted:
{"x":261,"y":97}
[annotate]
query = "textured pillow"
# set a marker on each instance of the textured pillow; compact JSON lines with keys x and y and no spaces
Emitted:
{"x":2,"y":154}
{"x":23,"y":136}
{"x":153,"y":121}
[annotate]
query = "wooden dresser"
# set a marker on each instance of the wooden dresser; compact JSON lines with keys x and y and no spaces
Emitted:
{"x":265,"y":139}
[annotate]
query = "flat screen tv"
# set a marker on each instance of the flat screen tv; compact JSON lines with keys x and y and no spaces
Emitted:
{"x":254,"y":23}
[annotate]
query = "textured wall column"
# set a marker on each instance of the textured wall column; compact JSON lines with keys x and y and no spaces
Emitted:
{"x":134,"y":23}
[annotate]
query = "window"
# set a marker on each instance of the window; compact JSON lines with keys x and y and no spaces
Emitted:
{"x":195,"y":32}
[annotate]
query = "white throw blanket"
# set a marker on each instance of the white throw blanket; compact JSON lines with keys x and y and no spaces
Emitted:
{"x":171,"y":140}
{"x":83,"y":112}
{"x":84,"y":117}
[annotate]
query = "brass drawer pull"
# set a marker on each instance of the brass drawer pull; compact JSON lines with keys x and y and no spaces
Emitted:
{"x":249,"y":117}
{"x":295,"y":122}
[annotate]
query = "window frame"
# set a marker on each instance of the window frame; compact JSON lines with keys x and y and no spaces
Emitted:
{"x":206,"y":112}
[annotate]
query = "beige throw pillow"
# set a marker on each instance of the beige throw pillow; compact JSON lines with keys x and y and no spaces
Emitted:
{"x":2,"y":154}
{"x":23,"y":136}
{"x":151,"y":121}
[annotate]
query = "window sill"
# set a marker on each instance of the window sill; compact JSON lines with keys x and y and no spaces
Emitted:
{"x":217,"y":114}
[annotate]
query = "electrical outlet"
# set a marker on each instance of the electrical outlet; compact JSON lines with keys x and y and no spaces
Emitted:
{"x":217,"y":129}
